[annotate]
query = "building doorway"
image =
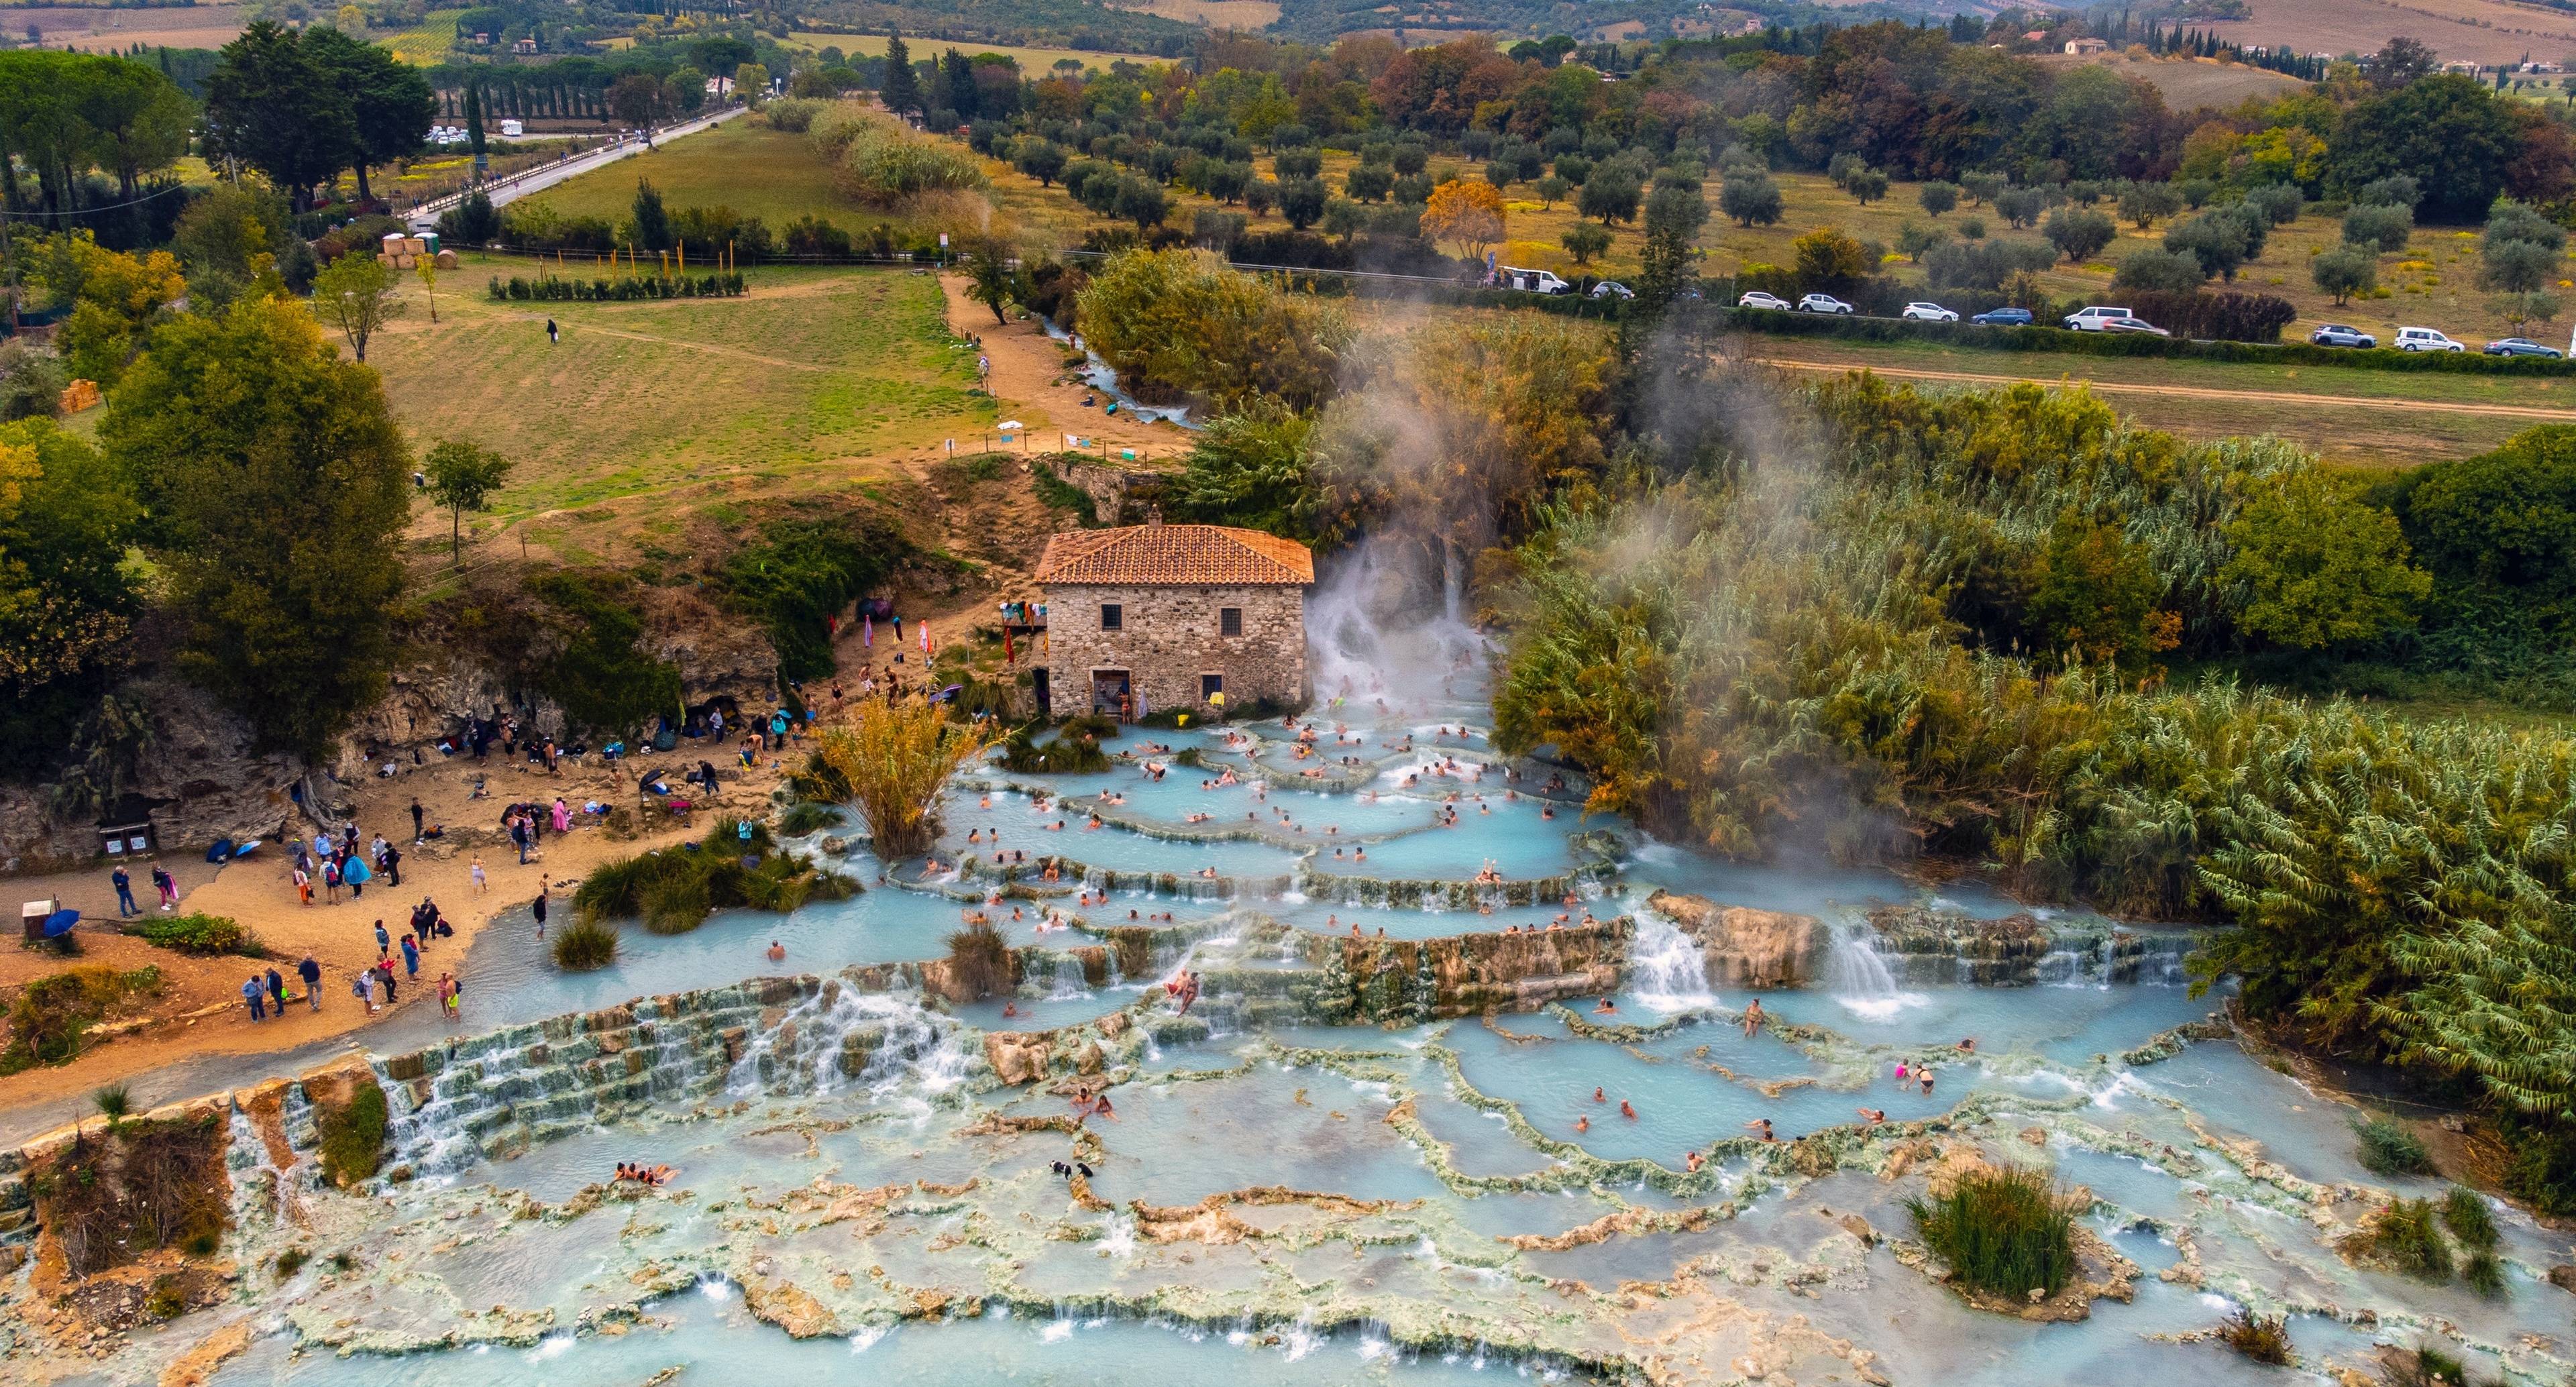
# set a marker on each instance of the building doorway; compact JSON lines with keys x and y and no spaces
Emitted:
{"x":1109,"y":692}
{"x":1038,"y":685}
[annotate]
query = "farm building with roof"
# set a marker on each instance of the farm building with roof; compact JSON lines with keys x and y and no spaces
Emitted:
{"x":1173,"y":618}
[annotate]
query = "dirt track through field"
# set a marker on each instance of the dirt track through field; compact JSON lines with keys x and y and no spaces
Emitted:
{"x":2190,"y":392}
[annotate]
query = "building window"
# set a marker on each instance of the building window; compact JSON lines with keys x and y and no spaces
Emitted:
{"x":1210,"y":685}
{"x":1113,"y":616}
{"x":1229,"y":621}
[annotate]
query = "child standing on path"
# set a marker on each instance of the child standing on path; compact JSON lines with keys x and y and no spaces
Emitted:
{"x":481,"y":883}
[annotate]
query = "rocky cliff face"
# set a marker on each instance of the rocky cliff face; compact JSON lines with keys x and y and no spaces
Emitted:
{"x":1746,"y":947}
{"x":201,"y":780}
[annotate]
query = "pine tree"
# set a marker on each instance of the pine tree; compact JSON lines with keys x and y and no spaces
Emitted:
{"x":474,"y":118}
{"x":900,"y":90}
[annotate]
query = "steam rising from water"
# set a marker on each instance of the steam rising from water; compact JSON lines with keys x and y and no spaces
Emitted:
{"x":1383,"y":624}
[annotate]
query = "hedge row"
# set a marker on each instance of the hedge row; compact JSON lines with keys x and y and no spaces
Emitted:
{"x":723,"y":286}
{"x":2055,"y":339}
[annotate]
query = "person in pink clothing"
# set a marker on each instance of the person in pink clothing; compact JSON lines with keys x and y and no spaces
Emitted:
{"x":563,"y":816}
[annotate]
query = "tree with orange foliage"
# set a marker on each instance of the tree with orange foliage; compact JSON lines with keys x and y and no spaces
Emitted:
{"x":1470,"y":214}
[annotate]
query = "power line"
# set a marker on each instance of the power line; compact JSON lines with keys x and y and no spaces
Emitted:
{"x":106,"y":207}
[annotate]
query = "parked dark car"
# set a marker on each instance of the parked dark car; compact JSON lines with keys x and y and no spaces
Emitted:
{"x":2521,"y":346}
{"x":2004,"y":317}
{"x":2338,"y":335}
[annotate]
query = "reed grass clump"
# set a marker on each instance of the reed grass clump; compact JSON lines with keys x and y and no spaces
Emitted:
{"x":2408,"y":1235}
{"x":736,"y":866}
{"x":2006,"y":1233}
{"x":585,"y":944}
{"x":2465,"y":1213}
{"x":896,"y":758}
{"x":2263,"y":1338}
{"x":979,"y":960}
{"x":2387,"y":1148}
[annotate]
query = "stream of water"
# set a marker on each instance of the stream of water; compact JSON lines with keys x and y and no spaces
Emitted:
{"x":1280,"y":1202}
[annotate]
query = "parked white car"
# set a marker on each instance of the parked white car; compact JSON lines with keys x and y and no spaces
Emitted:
{"x":1823,"y":303}
{"x":1534,"y":281}
{"x":2425,"y":339}
{"x":1612,"y":289}
{"x":2093,"y":319}
{"x":1758,"y":299}
{"x":1928,"y":313}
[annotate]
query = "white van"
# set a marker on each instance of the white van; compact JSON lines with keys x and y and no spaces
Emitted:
{"x":1533,"y":281}
{"x":2425,"y":339}
{"x":511,"y":129}
{"x":2093,"y":319}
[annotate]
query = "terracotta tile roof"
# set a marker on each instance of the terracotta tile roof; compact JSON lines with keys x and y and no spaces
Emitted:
{"x":1175,"y":555}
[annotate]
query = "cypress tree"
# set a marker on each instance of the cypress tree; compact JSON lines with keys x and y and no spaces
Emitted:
{"x":900,"y":90}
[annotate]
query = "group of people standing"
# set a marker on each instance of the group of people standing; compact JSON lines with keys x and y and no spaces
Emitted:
{"x":162,"y":882}
{"x":340,"y":862}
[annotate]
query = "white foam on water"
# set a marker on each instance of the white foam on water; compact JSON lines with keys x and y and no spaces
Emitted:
{"x":868,"y":1336}
{"x":1666,"y":970}
{"x":1056,"y":1333}
{"x":552,"y":1346}
{"x":1859,"y":980}
{"x":715,"y":1288}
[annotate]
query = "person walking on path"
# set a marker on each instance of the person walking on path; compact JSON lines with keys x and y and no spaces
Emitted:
{"x":257,"y":996}
{"x":411,"y":957}
{"x":554,"y":334}
{"x":481,"y":882}
{"x":415,"y":821}
{"x":563,"y":815}
{"x":360,"y":987}
{"x":311,"y":972}
{"x":167,"y":885}
{"x":384,"y":941}
{"x":393,"y":865}
{"x":303,"y":883}
{"x":385,"y":975}
{"x":356,"y":874}
{"x":277,"y":993}
{"x":331,"y":881}
{"x":125,"y":906}
{"x":519,"y":835}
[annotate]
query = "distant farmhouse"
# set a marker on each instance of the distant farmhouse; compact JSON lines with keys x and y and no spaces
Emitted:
{"x":1163,"y":618}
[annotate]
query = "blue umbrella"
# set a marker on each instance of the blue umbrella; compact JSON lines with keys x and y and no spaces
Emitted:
{"x":60,"y":923}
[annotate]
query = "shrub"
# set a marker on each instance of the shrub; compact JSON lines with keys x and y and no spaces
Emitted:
{"x":201,"y":934}
{"x":53,"y":1014}
{"x":2162,"y":271}
{"x":2263,"y":1338}
{"x":801,"y":570}
{"x":881,"y":163}
{"x":2466,"y":1214}
{"x":353,"y":1136}
{"x":2387,"y":1148}
{"x":584,"y":945}
{"x":1985,"y":264}
{"x":2483,"y":1271}
{"x":2220,"y":317}
{"x":1065,"y":754}
{"x":676,"y":902}
{"x":2378,"y":227}
{"x":2004,"y":1233}
{"x":2407,"y":1236}
{"x":149,"y":1185}
{"x":806,"y":817}
{"x":979,"y":960}
{"x":794,"y":115}
{"x":290,"y":1261}
{"x":674,"y":891}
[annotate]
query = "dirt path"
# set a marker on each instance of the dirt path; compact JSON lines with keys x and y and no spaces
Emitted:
{"x":2192,"y":392}
{"x":1030,"y":383}
{"x":200,"y":1011}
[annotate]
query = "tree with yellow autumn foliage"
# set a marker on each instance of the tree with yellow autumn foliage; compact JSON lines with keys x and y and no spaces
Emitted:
{"x":1468,"y":214}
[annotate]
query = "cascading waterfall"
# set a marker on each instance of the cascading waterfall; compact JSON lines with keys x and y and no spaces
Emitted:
{"x":1368,"y":636}
{"x":1666,"y":969}
{"x":1859,"y":979}
{"x":818,"y":1045}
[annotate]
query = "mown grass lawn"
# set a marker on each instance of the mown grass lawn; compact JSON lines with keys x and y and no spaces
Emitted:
{"x":812,"y":369}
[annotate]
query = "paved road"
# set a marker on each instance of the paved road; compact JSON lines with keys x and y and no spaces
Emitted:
{"x":502,"y":191}
{"x":2113,"y":387}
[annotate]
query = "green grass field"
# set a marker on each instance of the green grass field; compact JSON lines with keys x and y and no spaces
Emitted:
{"x":789,"y":387}
{"x":427,"y":42}
{"x":2343,"y":414}
{"x":741,"y":164}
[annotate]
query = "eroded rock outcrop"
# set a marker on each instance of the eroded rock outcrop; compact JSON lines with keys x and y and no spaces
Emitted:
{"x":1747,"y":948}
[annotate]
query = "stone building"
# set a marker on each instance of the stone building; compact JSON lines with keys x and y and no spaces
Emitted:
{"x":1166,"y":615}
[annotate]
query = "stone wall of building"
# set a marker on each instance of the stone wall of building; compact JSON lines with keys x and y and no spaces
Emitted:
{"x":1168,"y":638}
